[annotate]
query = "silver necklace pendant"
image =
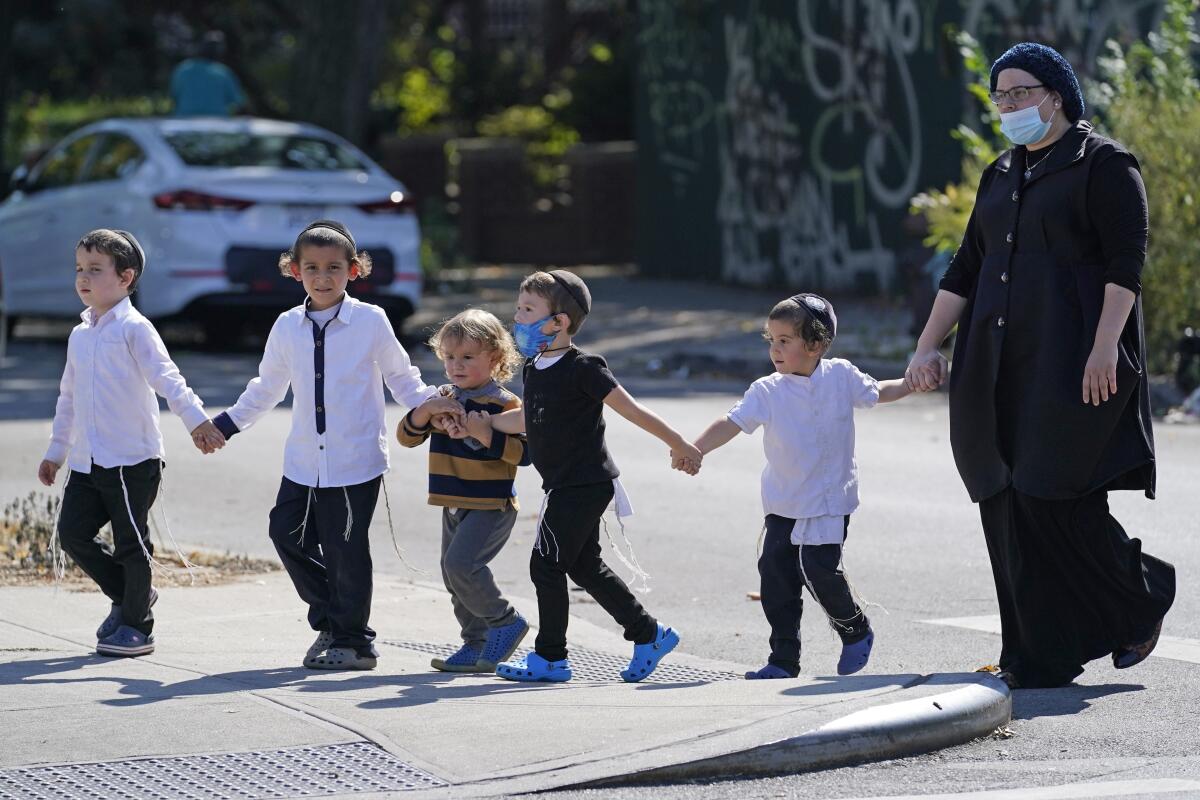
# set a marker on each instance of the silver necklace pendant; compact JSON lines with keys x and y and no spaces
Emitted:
{"x":1028,"y":173}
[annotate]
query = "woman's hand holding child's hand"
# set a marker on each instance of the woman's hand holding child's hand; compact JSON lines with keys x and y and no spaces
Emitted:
{"x":926,"y":372}
{"x":207,"y":437}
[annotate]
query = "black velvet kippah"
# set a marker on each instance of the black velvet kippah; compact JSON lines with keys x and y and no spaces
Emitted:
{"x":334,"y":226}
{"x":135,"y":244}
{"x":819,"y":309}
{"x":575,"y":287}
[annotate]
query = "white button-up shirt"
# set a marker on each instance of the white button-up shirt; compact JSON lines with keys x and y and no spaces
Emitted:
{"x":808,"y":437}
{"x":107,"y":412}
{"x":361,"y":355}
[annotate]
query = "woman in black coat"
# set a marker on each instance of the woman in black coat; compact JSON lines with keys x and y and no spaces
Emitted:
{"x":1049,"y":405}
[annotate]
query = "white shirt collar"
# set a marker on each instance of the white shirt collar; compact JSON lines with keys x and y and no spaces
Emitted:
{"x":348,"y":303}
{"x":119,"y":311}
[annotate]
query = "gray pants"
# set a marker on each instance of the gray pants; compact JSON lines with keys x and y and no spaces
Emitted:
{"x":470,"y":539}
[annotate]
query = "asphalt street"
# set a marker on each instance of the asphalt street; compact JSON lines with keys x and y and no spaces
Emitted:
{"x":915,"y":551}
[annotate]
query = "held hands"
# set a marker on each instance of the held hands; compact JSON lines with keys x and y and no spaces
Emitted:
{"x":1100,"y":374}
{"x":686,"y":458}
{"x":47,"y":471}
{"x":452,"y":425}
{"x":441,"y":407}
{"x":926,"y":372}
{"x":479,"y":426}
{"x":207,"y":438}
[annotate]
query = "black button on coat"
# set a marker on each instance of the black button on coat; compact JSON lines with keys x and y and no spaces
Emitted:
{"x":1033,"y":269}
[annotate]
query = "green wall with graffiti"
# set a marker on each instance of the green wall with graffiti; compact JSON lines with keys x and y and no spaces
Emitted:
{"x":779,"y":142}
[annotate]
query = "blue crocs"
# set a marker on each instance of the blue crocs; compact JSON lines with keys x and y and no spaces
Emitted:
{"x":855,"y":656}
{"x":501,"y":642}
{"x":532,"y":668}
{"x":646,"y":656}
{"x":769,"y":672}
{"x":465,"y":659}
{"x":114,"y":619}
{"x":126,"y":641}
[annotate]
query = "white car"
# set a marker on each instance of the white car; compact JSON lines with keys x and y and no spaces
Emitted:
{"x":214,"y":202}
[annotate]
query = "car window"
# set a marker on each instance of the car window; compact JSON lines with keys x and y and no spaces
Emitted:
{"x":62,"y":166}
{"x":245,"y":149}
{"x":115,"y":157}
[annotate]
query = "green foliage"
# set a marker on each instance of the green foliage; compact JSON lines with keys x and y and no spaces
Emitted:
{"x":546,"y":139}
{"x":1149,"y":98}
{"x":947,"y":210}
{"x":439,"y":239}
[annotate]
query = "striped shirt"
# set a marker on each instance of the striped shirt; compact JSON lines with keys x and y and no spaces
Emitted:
{"x":463,"y":473}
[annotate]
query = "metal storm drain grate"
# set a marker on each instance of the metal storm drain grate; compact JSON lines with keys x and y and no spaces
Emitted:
{"x":590,"y":665}
{"x":299,"y":772}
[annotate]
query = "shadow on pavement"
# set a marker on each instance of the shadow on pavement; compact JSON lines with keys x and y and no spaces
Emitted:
{"x":1034,"y":703}
{"x":415,"y":689}
{"x":834,"y":684}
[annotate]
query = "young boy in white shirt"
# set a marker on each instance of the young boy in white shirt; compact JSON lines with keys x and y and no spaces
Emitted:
{"x":810,"y":483}
{"x":336,"y":353}
{"x":106,"y":429}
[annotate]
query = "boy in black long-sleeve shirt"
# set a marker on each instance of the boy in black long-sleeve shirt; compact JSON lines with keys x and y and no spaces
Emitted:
{"x":564,"y":397}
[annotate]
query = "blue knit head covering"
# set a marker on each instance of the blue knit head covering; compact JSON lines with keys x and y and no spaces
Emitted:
{"x":1048,"y":66}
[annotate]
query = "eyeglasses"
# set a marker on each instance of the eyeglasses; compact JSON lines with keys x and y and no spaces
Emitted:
{"x":1017,"y":93}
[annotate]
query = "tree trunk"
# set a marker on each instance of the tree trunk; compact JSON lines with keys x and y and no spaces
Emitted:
{"x":334,"y":72}
{"x":8,"y":20}
{"x":556,"y":37}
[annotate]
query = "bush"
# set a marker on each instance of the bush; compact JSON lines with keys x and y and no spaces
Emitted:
{"x":1149,"y":99}
{"x":546,"y":140}
{"x":26,"y":525}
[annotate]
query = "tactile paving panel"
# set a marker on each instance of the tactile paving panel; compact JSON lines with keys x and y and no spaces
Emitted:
{"x":298,"y":772}
{"x":593,"y":666}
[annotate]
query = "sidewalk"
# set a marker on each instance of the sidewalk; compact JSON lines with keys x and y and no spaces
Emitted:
{"x":224,"y":709}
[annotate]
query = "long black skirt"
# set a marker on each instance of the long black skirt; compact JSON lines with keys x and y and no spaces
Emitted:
{"x":1072,"y":586}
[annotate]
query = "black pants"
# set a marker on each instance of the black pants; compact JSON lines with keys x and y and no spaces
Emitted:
{"x":1071,"y":585}
{"x":568,"y":544}
{"x":89,"y":502}
{"x":783,"y":568}
{"x":332,"y":573}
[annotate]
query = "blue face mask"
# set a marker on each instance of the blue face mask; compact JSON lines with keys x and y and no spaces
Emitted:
{"x":1026,"y":126}
{"x":529,"y":337}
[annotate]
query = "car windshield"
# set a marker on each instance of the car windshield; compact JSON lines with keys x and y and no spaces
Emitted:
{"x":246,"y":149}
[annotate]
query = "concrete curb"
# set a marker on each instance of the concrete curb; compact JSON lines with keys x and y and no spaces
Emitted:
{"x":907,"y":728}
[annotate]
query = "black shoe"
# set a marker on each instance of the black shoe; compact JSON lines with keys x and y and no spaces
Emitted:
{"x":1135,"y":654}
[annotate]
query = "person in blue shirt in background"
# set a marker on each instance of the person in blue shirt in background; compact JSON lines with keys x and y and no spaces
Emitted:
{"x":203,"y":86}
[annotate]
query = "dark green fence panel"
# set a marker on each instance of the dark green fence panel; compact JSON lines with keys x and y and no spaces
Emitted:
{"x":779,"y":142}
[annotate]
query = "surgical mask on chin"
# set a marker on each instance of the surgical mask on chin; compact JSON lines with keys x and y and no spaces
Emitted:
{"x":529,"y":337}
{"x":1026,"y":126}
